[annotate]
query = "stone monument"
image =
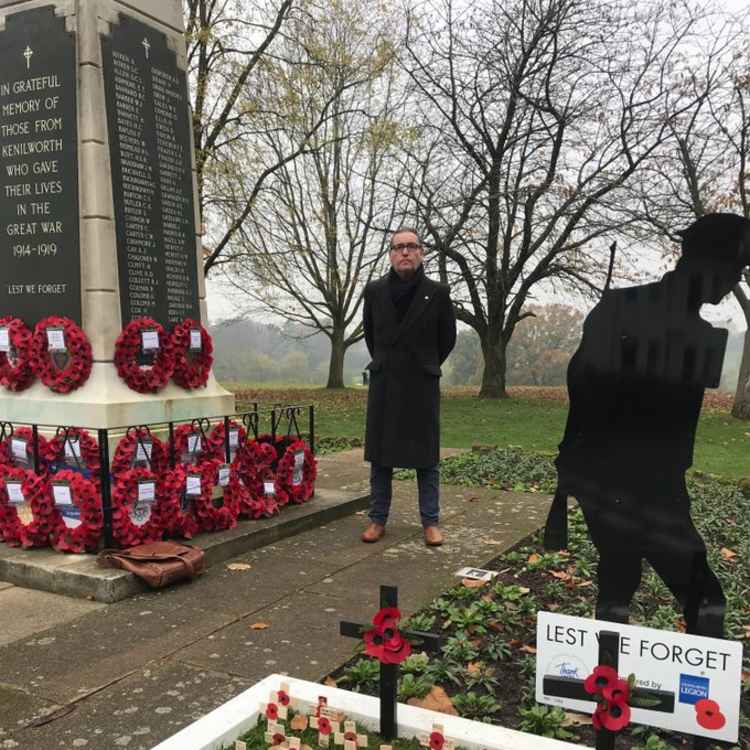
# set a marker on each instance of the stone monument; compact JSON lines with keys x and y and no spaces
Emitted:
{"x":99,"y":218}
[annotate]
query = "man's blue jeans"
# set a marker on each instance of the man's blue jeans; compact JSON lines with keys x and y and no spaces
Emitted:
{"x":428,"y":483}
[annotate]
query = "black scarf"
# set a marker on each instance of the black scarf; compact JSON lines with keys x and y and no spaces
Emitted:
{"x":402,"y":291}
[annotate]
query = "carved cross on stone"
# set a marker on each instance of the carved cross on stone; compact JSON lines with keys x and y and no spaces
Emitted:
{"x":389,"y":672}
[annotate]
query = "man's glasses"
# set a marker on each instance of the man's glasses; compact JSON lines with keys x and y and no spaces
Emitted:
{"x":411,"y":247}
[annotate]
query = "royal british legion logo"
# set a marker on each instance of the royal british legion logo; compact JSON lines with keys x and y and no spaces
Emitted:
{"x":693,"y":689}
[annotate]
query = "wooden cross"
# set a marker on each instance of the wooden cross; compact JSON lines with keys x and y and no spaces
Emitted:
{"x":424,"y":739}
{"x":325,"y":726}
{"x":389,"y":672}
{"x":274,"y":709}
{"x":349,"y":737}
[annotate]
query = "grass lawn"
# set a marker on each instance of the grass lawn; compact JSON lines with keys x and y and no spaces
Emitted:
{"x":533,"y":418}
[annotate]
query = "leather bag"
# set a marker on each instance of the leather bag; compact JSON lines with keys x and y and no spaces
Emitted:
{"x":159,"y":564}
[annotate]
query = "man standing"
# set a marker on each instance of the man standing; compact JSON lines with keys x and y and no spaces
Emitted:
{"x":636,"y":388}
{"x":410,"y":328}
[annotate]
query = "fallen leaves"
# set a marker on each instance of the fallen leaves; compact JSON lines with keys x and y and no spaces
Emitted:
{"x":330,"y":681}
{"x":472,"y":583}
{"x":259,"y":626}
{"x":727,"y":554}
{"x":528,"y":649}
{"x":534,"y":558}
{"x":299,"y":722}
{"x":575,"y":720}
{"x":239,"y":566}
{"x":436,"y":700}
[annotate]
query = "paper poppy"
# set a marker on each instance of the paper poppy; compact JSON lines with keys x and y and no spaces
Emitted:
{"x":278,"y":738}
{"x":602,"y":677}
{"x":708,"y":714}
{"x":436,"y":741}
{"x":272,"y":712}
{"x":324,"y":725}
{"x":283,"y":697}
{"x":389,"y":647}
{"x":617,"y":692}
{"x":16,"y":373}
{"x":613,"y":717}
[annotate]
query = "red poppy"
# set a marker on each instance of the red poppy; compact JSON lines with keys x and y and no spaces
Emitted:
{"x":283,"y":698}
{"x":388,"y":648}
{"x":436,"y":741}
{"x":619,"y":692}
{"x":602,"y":677}
{"x":386,"y":618}
{"x":278,"y":738}
{"x":324,"y":725}
{"x":708,"y":714}
{"x":613,"y":717}
{"x":350,"y":736}
{"x":272,"y":712}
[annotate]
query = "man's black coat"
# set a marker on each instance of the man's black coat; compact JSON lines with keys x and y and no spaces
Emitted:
{"x":403,"y":405}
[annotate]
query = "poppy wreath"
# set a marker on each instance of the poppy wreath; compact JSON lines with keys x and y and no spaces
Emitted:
{"x":181,"y":436}
{"x":125,"y":453}
{"x":80,"y":359}
{"x":212,"y":517}
{"x":24,"y":433}
{"x":238,"y":493}
{"x":191,"y":369}
{"x":384,"y":641}
{"x":612,"y":694}
{"x":216,"y":446}
{"x":125,"y":532}
{"x":84,"y":537}
{"x":249,"y":465}
{"x":35,"y":489}
{"x":90,"y":463}
{"x":304,"y":489}
{"x":177,"y":520}
{"x":128,"y":348}
{"x":16,"y":373}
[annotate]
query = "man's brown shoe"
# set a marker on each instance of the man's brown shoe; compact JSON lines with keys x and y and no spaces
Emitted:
{"x":373,"y":533}
{"x":433,"y":537}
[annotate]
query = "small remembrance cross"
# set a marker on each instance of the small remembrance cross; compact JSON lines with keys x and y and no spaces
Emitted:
{"x":389,"y":672}
{"x":349,"y":737}
{"x":436,"y":738}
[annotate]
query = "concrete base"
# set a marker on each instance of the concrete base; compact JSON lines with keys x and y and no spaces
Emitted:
{"x":79,"y":575}
{"x":104,"y":401}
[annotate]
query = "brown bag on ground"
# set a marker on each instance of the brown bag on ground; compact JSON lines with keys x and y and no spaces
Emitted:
{"x":159,"y":564}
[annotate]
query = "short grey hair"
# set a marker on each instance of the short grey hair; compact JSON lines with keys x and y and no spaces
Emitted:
{"x":401,"y":230}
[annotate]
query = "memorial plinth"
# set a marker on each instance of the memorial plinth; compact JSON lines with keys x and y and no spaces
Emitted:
{"x":98,"y":212}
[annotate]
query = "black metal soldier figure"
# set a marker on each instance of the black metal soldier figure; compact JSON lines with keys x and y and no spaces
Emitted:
{"x":636,"y":388}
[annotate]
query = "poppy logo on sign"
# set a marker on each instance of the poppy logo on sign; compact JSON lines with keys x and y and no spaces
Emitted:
{"x":693,"y":689}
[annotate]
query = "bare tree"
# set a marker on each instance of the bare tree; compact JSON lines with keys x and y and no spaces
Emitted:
{"x":704,"y":165}
{"x":311,"y":245}
{"x":537,"y":113}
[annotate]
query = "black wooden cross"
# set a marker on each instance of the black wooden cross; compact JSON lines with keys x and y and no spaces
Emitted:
{"x":389,"y":672}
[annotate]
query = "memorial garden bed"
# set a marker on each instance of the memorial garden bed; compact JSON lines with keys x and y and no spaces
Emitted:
{"x":487,"y":666}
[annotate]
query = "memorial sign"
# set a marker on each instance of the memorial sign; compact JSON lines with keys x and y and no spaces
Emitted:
{"x":673,"y":672}
{"x":40,"y":270}
{"x":150,"y":153}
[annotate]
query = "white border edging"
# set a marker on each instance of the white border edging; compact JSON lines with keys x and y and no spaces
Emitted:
{"x":228,"y":722}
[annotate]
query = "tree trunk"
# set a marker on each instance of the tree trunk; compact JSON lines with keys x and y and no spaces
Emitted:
{"x":741,"y":408}
{"x":494,"y":373}
{"x":336,"y":363}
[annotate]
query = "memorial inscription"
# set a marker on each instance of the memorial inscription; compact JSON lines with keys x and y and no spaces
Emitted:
{"x":147,"y":117}
{"x":40,"y":271}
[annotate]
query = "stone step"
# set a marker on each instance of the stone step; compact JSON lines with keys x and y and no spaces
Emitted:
{"x":80,"y":576}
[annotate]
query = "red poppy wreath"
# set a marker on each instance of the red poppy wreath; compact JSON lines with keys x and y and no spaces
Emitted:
{"x":176,"y":509}
{"x":213,"y":513}
{"x":60,"y":337}
{"x":238,"y":493}
{"x":18,"y":450}
{"x":16,"y":373}
{"x":296,"y":472}
{"x":27,"y":491}
{"x":136,"y":517}
{"x":78,"y":513}
{"x":190,"y":444}
{"x":134,"y":448}
{"x":237,"y":440}
{"x":144,"y":336}
{"x":75,"y":449}
{"x":193,"y":351}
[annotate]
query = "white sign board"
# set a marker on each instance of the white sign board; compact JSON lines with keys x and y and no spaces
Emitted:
{"x":673,"y":672}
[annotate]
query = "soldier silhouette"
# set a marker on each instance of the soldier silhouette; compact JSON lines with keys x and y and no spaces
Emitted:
{"x":636,"y":386}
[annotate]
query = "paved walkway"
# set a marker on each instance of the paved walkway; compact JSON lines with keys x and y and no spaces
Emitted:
{"x":78,"y":674}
